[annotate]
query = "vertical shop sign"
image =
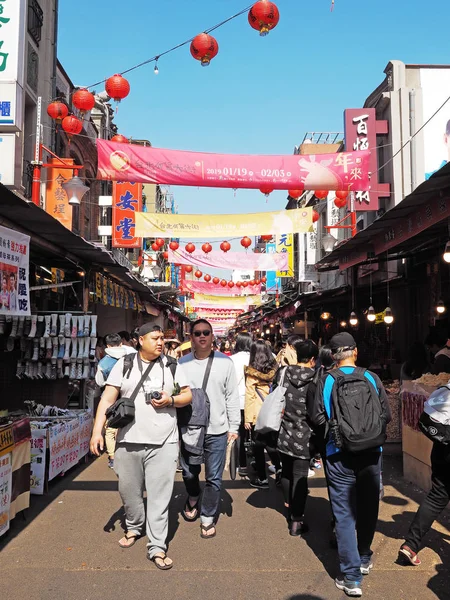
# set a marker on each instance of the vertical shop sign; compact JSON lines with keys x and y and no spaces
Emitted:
{"x":301,"y":257}
{"x":98,"y":287}
{"x":272,"y":279}
{"x":333,"y":215}
{"x":56,"y":199}
{"x":38,"y":454}
{"x":126,"y":202}
{"x":72,"y":443}
{"x":285,"y":244}
{"x":14,"y":273}
{"x":104,"y":291}
{"x":311,"y":245}
{"x":5,"y":491}
{"x":57,"y":441}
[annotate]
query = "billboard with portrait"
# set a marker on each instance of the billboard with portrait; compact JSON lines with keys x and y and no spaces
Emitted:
{"x":435,"y":83}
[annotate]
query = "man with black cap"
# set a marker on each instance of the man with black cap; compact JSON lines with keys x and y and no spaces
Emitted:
{"x":354,"y":403}
{"x":147,"y":448}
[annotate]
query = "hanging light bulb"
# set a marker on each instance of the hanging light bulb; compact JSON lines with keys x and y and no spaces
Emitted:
{"x":388,"y":316}
{"x":325,"y":316}
{"x":267,"y":331}
{"x":446,"y":255}
{"x":343,"y":324}
{"x":156,"y":70}
{"x":353,"y":319}
{"x":371,"y":316}
{"x":440,"y":308}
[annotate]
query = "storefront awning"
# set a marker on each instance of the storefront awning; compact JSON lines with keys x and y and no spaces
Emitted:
{"x":418,"y":222}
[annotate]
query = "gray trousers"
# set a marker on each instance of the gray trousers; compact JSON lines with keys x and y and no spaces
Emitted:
{"x":142,"y":467}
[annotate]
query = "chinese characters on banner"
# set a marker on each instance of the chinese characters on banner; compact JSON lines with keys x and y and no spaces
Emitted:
{"x":272,"y":279}
{"x":5,"y":491}
{"x":56,"y":199}
{"x":361,"y":129}
{"x":284,"y":243}
{"x":126,"y":202}
{"x":14,"y":273}
{"x":333,"y":215}
{"x":38,"y":454}
{"x":57,"y":443}
{"x":311,"y":246}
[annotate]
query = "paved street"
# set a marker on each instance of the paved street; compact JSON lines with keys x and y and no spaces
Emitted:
{"x":68,"y":548}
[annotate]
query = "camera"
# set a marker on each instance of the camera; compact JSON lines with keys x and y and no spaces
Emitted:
{"x":152,"y":396}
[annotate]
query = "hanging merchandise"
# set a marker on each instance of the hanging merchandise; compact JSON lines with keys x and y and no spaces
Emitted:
{"x":83,"y":100}
{"x":72,"y":125}
{"x":207,"y":248}
{"x":263,"y":16}
{"x":57,"y":110}
{"x":117,"y":87}
{"x":120,"y":139}
{"x":204,"y":48}
{"x":225,"y":246}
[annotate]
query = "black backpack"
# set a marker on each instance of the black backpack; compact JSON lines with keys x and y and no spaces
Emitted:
{"x":358,"y":421}
{"x":128,"y":359}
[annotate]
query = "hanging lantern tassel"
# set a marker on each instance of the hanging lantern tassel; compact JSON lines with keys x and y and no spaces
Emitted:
{"x":332,"y":6}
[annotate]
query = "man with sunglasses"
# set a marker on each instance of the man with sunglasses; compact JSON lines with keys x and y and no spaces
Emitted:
{"x":147,"y":449}
{"x":224,"y":421}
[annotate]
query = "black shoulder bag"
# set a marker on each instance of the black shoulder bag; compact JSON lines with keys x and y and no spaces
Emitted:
{"x":184,"y":413}
{"x":122,"y":412}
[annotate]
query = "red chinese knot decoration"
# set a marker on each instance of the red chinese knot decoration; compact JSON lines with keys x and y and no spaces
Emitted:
{"x":263,"y":16}
{"x":174,"y":246}
{"x":120,"y":139}
{"x":83,"y":100}
{"x":204,"y":48}
{"x":57,"y":110}
{"x":225,"y":246}
{"x":246,"y":242}
{"x":206,"y":248}
{"x":117,"y":87}
{"x":72,"y":125}
{"x":190,"y":248}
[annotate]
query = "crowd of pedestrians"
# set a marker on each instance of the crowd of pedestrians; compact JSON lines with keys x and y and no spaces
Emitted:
{"x":192,"y":402}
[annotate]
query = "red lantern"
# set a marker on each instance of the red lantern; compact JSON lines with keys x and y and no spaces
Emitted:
{"x":321,"y":194}
{"x":174,"y":246}
{"x":72,"y":125}
{"x":315,"y":216}
{"x":188,"y":268}
{"x":160,"y":242}
{"x":238,"y":284}
{"x":231,"y":284}
{"x":264,"y":279}
{"x":83,"y":100}
{"x":207,"y":278}
{"x":295,"y":194}
{"x":245,"y":283}
{"x":266,"y":238}
{"x":263,"y":16}
{"x":206,"y":248}
{"x":190,"y":248}
{"x":204,"y":48}
{"x":120,"y":139}
{"x":223,"y":283}
{"x":117,"y":87}
{"x":155,"y":247}
{"x":165,"y":255}
{"x":252,"y":282}
{"x":225,"y":246}
{"x":57,"y":110}
{"x":266,"y":190}
{"x":216,"y":280}
{"x":257,"y":282}
{"x":340,"y":202}
{"x":246,"y":242}
{"x":198,"y":274}
{"x":342,"y":194}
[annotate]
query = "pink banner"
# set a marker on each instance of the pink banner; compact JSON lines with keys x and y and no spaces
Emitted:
{"x":203,"y":287}
{"x":130,"y":162}
{"x":251,"y":261}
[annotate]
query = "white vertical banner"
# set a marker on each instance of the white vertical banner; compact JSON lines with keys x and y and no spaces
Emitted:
{"x":38,"y":455}
{"x":333,"y":215}
{"x":311,"y":245}
{"x":301,"y":256}
{"x":12,"y":40}
{"x":14,"y":273}
{"x":5,"y":491}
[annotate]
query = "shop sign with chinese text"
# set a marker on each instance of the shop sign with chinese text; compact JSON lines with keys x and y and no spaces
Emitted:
{"x":38,"y":461}
{"x":56,"y":199}
{"x":126,"y":202}
{"x":5,"y":491}
{"x":14,"y":273}
{"x":285,"y":244}
{"x":12,"y":40}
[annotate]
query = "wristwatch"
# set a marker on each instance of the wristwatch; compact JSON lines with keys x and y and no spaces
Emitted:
{"x":173,"y":401}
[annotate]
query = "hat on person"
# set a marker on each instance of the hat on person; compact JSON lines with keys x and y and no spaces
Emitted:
{"x":342,"y":340}
{"x":185,"y":346}
{"x":147,"y":328}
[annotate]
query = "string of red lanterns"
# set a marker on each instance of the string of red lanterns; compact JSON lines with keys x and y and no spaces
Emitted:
{"x":57,"y":110}
{"x":120,"y":139}
{"x":83,"y":100}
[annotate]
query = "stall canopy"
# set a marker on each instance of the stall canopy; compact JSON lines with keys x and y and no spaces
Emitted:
{"x":419,"y":222}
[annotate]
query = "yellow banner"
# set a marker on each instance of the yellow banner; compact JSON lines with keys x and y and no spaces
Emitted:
{"x":285,"y":243}
{"x":225,"y":301}
{"x":209,"y":226}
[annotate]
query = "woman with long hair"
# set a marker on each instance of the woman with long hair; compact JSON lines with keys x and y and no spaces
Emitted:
{"x":241,"y":358}
{"x":258,"y":378}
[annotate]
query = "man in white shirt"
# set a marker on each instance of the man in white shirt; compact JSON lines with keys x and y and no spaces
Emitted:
{"x":224,"y":420}
{"x":146,"y":449}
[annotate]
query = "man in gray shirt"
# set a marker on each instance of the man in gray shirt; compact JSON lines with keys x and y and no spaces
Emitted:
{"x":224,"y":421}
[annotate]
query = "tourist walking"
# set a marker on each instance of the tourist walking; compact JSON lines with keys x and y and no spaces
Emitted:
{"x":224,"y":420}
{"x":241,"y":358}
{"x":259,"y":376}
{"x":147,"y":448}
{"x":354,"y":403}
{"x":295,"y":434}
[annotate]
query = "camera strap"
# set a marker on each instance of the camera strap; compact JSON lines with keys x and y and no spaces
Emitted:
{"x":144,"y":375}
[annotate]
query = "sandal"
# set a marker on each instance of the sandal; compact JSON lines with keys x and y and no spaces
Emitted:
{"x":204,"y":528}
{"x":163,"y":565}
{"x":133,"y":537}
{"x":188,"y":507}
{"x":411,"y":556}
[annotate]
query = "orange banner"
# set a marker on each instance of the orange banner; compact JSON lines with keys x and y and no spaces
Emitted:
{"x":56,"y":200}
{"x":126,"y":202}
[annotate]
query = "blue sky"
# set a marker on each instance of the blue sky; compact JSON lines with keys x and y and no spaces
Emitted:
{"x":259,"y":95}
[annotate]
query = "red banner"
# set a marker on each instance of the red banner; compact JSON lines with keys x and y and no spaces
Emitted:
{"x":130,"y":162}
{"x":203,"y":287}
{"x":126,"y":202}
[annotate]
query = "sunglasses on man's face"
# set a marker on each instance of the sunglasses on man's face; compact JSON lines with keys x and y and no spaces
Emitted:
{"x":205,"y":332}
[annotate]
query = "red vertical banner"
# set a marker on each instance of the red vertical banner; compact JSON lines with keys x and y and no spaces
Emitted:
{"x":126,"y":202}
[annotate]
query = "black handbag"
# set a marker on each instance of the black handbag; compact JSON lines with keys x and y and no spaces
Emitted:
{"x":122,"y":412}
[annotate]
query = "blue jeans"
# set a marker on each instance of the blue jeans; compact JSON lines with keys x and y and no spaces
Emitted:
{"x":215,"y":447}
{"x":354,"y":487}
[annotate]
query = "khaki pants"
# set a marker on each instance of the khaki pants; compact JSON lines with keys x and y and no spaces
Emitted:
{"x":110,"y":441}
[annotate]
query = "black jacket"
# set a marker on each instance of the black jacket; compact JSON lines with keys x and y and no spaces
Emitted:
{"x":295,"y":431}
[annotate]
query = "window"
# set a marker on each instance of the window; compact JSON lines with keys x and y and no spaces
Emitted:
{"x":35,"y":20}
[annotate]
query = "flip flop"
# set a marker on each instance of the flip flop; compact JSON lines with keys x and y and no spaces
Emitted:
{"x":163,"y":557}
{"x":133,"y":537}
{"x":207,"y":528}
{"x":188,"y":507}
{"x":411,"y":556}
